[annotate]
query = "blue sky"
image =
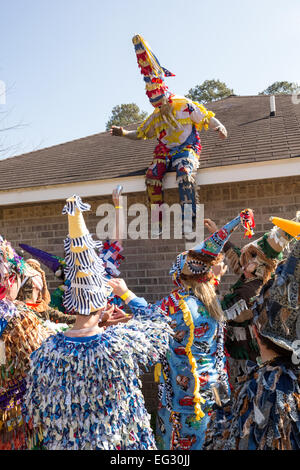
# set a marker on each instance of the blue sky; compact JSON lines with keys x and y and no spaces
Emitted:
{"x":66,"y":63}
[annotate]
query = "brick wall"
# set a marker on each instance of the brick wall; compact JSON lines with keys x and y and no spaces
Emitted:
{"x":148,"y":261}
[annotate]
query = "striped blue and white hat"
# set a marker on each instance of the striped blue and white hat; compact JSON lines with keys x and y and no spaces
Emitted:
{"x":87,"y":288}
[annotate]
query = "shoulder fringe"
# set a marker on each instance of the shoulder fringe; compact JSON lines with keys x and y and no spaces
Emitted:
{"x":265,"y":414}
{"x":156,"y":123}
{"x":22,"y":336}
{"x":236,"y":309}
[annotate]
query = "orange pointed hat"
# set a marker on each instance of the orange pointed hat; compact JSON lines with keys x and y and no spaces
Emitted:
{"x":289,"y":226}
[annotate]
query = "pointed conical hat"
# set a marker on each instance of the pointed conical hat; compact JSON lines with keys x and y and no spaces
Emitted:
{"x":214,"y":244}
{"x":85,"y":275}
{"x":206,"y":253}
{"x":289,"y":226}
{"x":153,"y":72}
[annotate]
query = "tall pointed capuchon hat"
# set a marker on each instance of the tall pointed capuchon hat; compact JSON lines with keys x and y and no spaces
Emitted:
{"x":213,"y":245}
{"x":153,"y":72}
{"x":291,"y":227}
{"x":199,"y":260}
{"x":87,"y":288}
{"x":55,"y":263}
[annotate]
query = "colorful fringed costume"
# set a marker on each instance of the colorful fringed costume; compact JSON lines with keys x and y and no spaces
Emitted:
{"x":56,"y":264}
{"x":177,"y":148}
{"x":84,"y":392}
{"x":195,"y":362}
{"x":34,"y":293}
{"x":265,"y":413}
{"x":192,"y":374}
{"x":262,"y":256}
{"x":110,"y":253}
{"x":175,"y":123}
{"x":21,"y":333}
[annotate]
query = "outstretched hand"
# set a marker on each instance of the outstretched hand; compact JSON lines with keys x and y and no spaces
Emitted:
{"x":116,"y":130}
{"x":222,"y":131}
{"x":118,"y":286}
{"x":117,"y":316}
{"x":210,"y":225}
{"x":219,"y":269}
{"x":106,"y":313}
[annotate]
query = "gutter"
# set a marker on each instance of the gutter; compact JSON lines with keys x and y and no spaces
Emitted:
{"x":132,"y":184}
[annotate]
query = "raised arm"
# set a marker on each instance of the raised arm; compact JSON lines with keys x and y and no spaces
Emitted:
{"x":148,"y":332}
{"x":120,"y":289}
{"x":118,"y":203}
{"x":145,"y":130}
{"x":136,"y":304}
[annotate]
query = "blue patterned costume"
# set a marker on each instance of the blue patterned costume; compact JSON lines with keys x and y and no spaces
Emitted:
{"x":177,"y":426}
{"x":85,"y":392}
{"x":264,"y":414}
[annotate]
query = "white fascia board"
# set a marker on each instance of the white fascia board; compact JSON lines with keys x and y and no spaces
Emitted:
{"x":133,"y":184}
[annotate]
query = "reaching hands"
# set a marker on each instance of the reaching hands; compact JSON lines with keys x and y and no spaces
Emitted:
{"x":116,"y":130}
{"x":210,"y":225}
{"x":222,"y":132}
{"x":219,"y":269}
{"x":117,"y":195}
{"x":107,"y":313}
{"x":116,"y":315}
{"x":118,"y":286}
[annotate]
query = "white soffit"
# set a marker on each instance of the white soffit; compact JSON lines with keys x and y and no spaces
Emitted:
{"x":134,"y":184}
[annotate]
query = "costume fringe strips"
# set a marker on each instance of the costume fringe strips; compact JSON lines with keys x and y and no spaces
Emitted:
{"x":265,"y":413}
{"x":87,"y":395}
{"x":22,"y":334}
{"x":187,"y":316}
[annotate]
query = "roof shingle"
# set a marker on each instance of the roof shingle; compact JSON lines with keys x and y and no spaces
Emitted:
{"x":252,"y":136}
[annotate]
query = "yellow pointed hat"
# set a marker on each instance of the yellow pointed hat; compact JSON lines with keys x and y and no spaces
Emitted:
{"x":85,"y":274}
{"x":289,"y":226}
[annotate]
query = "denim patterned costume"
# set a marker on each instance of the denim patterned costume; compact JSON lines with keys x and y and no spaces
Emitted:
{"x":177,"y":428}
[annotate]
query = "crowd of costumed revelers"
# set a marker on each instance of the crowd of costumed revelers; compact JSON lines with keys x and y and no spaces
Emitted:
{"x":227,"y":365}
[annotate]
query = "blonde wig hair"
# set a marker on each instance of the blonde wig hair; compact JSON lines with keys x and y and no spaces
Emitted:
{"x":206,"y":293}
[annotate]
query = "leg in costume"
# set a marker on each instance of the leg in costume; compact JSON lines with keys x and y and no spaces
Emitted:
{"x":155,"y":174}
{"x":180,"y":431}
{"x":186,"y":163}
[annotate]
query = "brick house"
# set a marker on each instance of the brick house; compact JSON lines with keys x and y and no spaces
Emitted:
{"x":258,"y":166}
